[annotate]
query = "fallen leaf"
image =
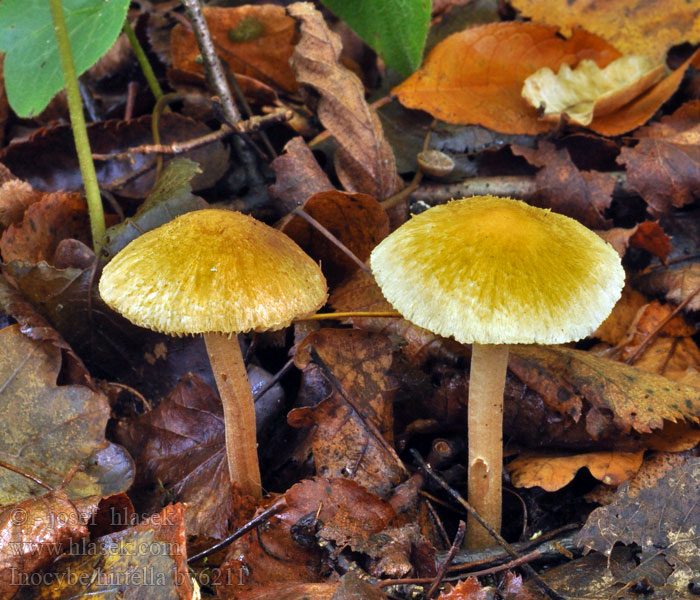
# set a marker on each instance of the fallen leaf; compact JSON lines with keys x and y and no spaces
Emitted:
{"x":476,"y":75}
{"x":648,"y":236}
{"x":661,"y":519}
{"x":587,"y":91}
{"x":54,"y":429}
{"x":285,"y":550}
{"x":299,"y":176}
{"x":552,"y":472}
{"x":357,"y":220}
{"x":561,"y":186}
{"x":633,"y":399}
{"x":615,"y":327}
{"x":148,"y":560}
{"x":53,"y":218}
{"x":632,"y":26}
{"x":179,"y":447}
{"x":665,"y":165}
{"x":289,"y":591}
{"x":15,"y":196}
{"x":364,"y":160}
{"x":675,"y":282}
{"x":49,"y":163}
{"x":342,"y":444}
{"x":256,"y":41}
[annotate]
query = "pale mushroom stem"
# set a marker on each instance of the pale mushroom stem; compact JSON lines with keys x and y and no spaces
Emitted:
{"x":239,"y":411}
{"x":487,"y":381}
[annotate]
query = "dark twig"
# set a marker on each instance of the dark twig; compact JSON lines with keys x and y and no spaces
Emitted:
{"x":268,"y":386}
{"x":371,"y":427}
{"x":494,"y":534}
{"x":29,"y":476}
{"x":263,"y":517}
{"x":252,"y":124}
{"x":211,"y":59}
{"x":442,"y":571}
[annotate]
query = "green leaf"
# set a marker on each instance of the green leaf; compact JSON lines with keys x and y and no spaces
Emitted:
{"x":33,"y":72}
{"x":396,"y":29}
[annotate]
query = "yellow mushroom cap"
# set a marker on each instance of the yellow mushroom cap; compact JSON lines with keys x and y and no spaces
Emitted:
{"x":213,"y":271}
{"x":498,"y":271}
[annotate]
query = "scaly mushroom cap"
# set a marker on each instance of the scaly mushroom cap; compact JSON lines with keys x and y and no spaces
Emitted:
{"x":213,"y":271}
{"x":498,"y":271}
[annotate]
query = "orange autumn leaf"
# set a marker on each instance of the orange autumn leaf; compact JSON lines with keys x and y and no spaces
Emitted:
{"x":256,"y":41}
{"x":632,"y":26}
{"x":552,"y":472}
{"x":476,"y":76}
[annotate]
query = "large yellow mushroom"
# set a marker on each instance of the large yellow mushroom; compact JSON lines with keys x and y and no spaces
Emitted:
{"x":491,"y":272}
{"x":219,"y":273}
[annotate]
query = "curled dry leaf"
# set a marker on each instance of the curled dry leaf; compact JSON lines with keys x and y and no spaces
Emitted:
{"x":15,"y":197}
{"x":357,"y":220}
{"x":632,"y":26}
{"x":255,"y":41}
{"x":476,"y":76}
{"x":551,"y":472}
{"x":648,"y":236}
{"x":587,"y":91}
{"x":364,"y":160}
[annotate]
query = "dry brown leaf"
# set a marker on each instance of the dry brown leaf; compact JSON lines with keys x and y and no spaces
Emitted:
{"x":632,"y":26}
{"x":587,"y":91}
{"x":675,"y":283}
{"x":561,"y":186}
{"x":364,"y":159}
{"x":15,"y":197}
{"x":648,"y":236}
{"x":615,"y":327}
{"x":265,"y":40}
{"x":664,"y":166}
{"x":342,"y":444}
{"x":55,"y":217}
{"x":552,"y":472}
{"x":298,"y":176}
{"x":476,"y":76}
{"x":357,"y":220}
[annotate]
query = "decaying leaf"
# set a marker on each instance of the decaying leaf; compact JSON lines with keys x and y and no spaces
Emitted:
{"x":632,"y":26}
{"x":476,"y":76}
{"x":552,"y":472}
{"x":147,"y":560}
{"x":180,"y":449}
{"x":661,"y":519}
{"x":256,"y":41}
{"x":15,"y":196}
{"x":53,"y":218}
{"x":664,"y":166}
{"x":648,"y":235}
{"x":364,"y":160}
{"x":632,"y":399}
{"x":587,"y":91}
{"x":54,"y":428}
{"x":285,"y":551}
{"x":342,"y":444}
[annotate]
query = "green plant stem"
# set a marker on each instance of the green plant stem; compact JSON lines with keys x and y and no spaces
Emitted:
{"x":77,"y":119}
{"x":143,"y":61}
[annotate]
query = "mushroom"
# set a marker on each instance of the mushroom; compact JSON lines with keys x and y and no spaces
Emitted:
{"x":491,"y":272}
{"x":219,"y":273}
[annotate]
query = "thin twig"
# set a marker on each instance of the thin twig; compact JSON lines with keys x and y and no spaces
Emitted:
{"x":29,"y":476}
{"x":299,"y":211}
{"x":268,"y":386}
{"x":442,"y":571}
{"x":652,"y":336}
{"x":494,"y":534}
{"x":371,"y":427}
{"x":211,"y":59}
{"x":263,"y":517}
{"x":252,"y":124}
